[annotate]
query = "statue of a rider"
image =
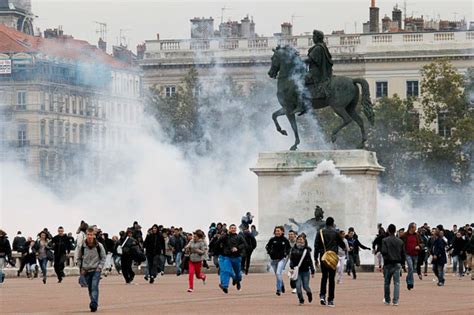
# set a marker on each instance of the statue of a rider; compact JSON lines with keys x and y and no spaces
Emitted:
{"x":320,"y":65}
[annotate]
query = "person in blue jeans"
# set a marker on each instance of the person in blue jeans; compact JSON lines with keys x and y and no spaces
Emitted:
{"x":43,"y":249}
{"x":233,"y":246}
{"x":393,"y":253}
{"x":413,"y":245}
{"x":92,"y":258}
{"x":439,"y":258}
{"x":304,"y":264}
{"x":278,"y":247}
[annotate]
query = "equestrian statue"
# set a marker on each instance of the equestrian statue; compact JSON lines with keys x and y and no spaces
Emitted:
{"x":309,"y":83}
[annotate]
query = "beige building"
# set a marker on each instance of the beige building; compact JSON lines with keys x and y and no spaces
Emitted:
{"x":64,"y":104}
{"x":390,"y":62}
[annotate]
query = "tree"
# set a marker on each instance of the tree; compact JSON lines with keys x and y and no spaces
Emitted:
{"x":445,"y":139}
{"x":178,"y":113}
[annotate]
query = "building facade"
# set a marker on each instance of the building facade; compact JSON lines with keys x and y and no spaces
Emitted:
{"x":391,"y":63}
{"x":64,"y":104}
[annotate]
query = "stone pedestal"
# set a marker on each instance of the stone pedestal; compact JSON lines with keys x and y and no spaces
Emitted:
{"x":342,"y":182}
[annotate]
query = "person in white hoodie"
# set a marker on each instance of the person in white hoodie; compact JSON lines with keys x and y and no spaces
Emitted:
{"x":80,"y":238}
{"x":342,"y":253}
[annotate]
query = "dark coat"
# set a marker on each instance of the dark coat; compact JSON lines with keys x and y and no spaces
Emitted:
{"x":295,"y":256}
{"x":19,"y":243}
{"x":439,"y":250}
{"x":278,"y":247}
{"x":230,"y":241}
{"x":5,"y":248}
{"x":250,"y":241}
{"x":458,"y":246}
{"x":60,"y":245}
{"x":154,"y":244}
{"x":332,"y":241}
{"x":393,"y":250}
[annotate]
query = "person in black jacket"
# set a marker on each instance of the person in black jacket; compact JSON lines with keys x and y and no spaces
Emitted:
{"x":19,"y":245}
{"x":278,"y":247}
{"x":154,"y":247}
{"x":469,"y":250}
{"x":458,"y":253}
{"x":233,"y":246}
{"x":61,"y":247}
{"x":296,"y":255}
{"x":177,"y":243}
{"x":251,"y":245}
{"x":353,"y":254}
{"x":126,"y":262}
{"x":5,"y":253}
{"x":393,"y":253}
{"x":332,"y":242}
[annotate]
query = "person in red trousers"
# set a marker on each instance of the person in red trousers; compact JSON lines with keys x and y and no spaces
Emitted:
{"x":197,"y":250}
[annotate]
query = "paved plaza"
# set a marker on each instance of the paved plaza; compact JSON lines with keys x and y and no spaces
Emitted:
{"x":168,"y":295}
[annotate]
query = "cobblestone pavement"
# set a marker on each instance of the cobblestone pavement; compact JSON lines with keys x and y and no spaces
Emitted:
{"x":168,"y":295}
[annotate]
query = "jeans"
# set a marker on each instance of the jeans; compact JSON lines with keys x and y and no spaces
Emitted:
{"x":92,"y":280}
{"x":278,"y":266}
{"x":458,"y":265}
{"x":43,"y":262}
{"x":117,"y":262}
{"x":411,"y":262}
{"x":302,"y":282}
{"x":469,"y":260}
{"x":391,"y":271}
{"x":165,"y":259}
{"x":195,"y":268}
{"x":327,"y":274}
{"x":229,"y":268}
{"x":351,"y":264}
{"x":59,"y":265}
{"x":438,"y":270}
{"x":177,"y":260}
{"x":2,"y":265}
{"x":153,"y":264}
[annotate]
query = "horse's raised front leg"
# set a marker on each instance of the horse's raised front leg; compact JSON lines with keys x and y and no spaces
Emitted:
{"x":294,"y":126}
{"x":275,"y":116}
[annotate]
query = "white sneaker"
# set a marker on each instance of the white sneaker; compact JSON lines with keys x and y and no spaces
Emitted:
{"x":293,"y":291}
{"x":395,"y":304}
{"x":385,"y":302}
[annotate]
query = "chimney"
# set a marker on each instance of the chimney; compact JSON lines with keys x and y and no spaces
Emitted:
{"x":157,"y":36}
{"x":102,"y":45}
{"x":286,"y":29}
{"x":374,"y":18}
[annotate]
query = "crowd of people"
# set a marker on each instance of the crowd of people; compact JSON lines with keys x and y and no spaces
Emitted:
{"x":230,"y":249}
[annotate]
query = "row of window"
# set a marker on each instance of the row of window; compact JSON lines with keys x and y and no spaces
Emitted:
{"x":126,"y":86}
{"x":81,"y":106}
{"x":170,"y":90}
{"x":381,"y":89}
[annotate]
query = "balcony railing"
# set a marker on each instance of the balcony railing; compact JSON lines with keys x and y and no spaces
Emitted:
{"x":339,"y":44}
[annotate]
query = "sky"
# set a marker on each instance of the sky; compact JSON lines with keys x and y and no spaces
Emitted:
{"x":139,"y":20}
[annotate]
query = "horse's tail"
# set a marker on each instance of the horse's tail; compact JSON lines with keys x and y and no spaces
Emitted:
{"x":367,"y":106}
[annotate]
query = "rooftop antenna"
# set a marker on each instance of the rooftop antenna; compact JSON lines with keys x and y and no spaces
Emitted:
{"x":102,"y":30}
{"x":222,"y":13}
{"x":122,"y":37}
{"x":293,"y":16}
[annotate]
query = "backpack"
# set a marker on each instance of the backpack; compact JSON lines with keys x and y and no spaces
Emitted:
{"x":97,"y":247}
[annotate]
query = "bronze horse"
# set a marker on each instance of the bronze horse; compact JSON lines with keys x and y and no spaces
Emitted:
{"x":289,"y":69}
